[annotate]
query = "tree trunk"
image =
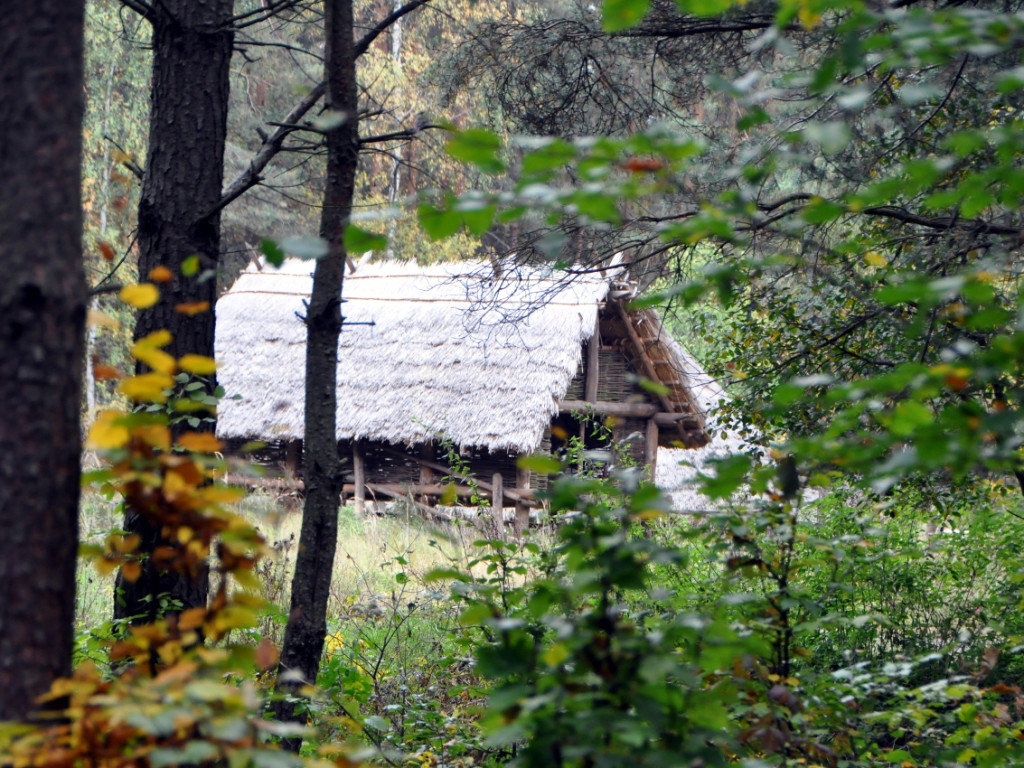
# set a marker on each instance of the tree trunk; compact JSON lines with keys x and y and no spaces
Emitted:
{"x":192,"y":43}
{"x":307,"y":620}
{"x":42,"y":317}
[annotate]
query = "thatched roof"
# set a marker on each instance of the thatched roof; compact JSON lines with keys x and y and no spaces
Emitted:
{"x":425,"y":350}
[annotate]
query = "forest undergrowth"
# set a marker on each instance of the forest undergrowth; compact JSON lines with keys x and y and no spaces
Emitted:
{"x":854,"y":630}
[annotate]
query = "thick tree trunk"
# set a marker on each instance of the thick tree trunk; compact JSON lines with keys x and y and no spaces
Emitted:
{"x":42,"y":317}
{"x":307,"y":621}
{"x":192,"y":43}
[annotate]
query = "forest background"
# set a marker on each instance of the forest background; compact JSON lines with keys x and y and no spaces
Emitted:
{"x":828,"y":192}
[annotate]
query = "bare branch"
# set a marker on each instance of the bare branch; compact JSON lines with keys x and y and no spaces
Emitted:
{"x":250,"y":177}
{"x":405,"y":134}
{"x":367,"y":39}
{"x":144,"y":9}
{"x":272,"y":144}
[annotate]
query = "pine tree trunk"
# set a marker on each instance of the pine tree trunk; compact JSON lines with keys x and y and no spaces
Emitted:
{"x":42,"y":317}
{"x":192,"y":43}
{"x":307,"y":620}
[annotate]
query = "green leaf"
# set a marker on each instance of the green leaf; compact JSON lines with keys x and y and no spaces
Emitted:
{"x":193,"y":753}
{"x":306,"y":248}
{"x":377,"y":723}
{"x":908,"y":417}
{"x":543,"y":161}
{"x":190,"y":266}
{"x":541,"y":464}
{"x":618,"y":15}
{"x":704,"y":7}
{"x":273,"y":252}
{"x":358,"y":240}
{"x":479,"y":147}
{"x":438,"y":223}
{"x":821,"y":211}
{"x":730,"y":474}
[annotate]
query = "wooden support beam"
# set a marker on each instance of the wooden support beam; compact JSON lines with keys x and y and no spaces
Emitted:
{"x":483,"y":485}
{"x":462,"y":491}
{"x":651,"y":447}
{"x":686,"y":421}
{"x":592,"y":373}
{"x":376,"y":488}
{"x":645,"y":360}
{"x":498,"y":504}
{"x":522,"y":521}
{"x":291,"y":457}
{"x":359,"y":469}
{"x":606,"y":408}
{"x":428,"y":453}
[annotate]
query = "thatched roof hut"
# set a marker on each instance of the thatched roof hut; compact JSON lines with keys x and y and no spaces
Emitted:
{"x":487,"y":362}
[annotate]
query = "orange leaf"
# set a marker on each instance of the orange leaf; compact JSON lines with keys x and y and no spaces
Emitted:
{"x":266,"y":654}
{"x":161,"y":274}
{"x":192,"y":307}
{"x":106,"y":250}
{"x":200,"y":442}
{"x":191,"y":619}
{"x":101,"y":372}
{"x":643,"y":165}
{"x":131,"y":571}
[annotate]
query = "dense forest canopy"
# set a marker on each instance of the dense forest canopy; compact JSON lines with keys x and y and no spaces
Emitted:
{"x":823,"y":198}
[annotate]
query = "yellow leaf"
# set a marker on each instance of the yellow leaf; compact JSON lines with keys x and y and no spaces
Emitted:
{"x":141,"y":296}
{"x":107,"y":432}
{"x":233,"y":617}
{"x":221,"y":494}
{"x":175,"y":485}
{"x":156,"y":435}
{"x":124,"y":544}
{"x":198,"y":364}
{"x":149,"y":387}
{"x":648,"y":514}
{"x":875,"y":259}
{"x":556,"y":654}
{"x":157,"y":359}
{"x":104,"y":566}
{"x":200,"y":442}
{"x":159,"y":338}
{"x":808,"y":18}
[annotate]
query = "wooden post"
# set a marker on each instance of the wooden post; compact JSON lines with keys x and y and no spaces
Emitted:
{"x":427,"y":452}
{"x":498,"y":504}
{"x":291,"y":458}
{"x":651,"y":447}
{"x":359,"y":469}
{"x":590,"y":380}
{"x":522,"y":522}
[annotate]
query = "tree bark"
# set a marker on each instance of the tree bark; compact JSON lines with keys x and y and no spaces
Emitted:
{"x":307,"y":620}
{"x":42,"y":319}
{"x":192,"y":43}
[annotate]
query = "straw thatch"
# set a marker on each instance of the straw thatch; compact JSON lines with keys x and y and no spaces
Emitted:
{"x":447,"y":349}
{"x":678,"y":470}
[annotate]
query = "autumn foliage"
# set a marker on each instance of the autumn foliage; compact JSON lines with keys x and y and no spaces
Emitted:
{"x":179,"y":689}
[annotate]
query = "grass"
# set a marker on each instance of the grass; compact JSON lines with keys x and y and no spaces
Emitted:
{"x":379,"y":559}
